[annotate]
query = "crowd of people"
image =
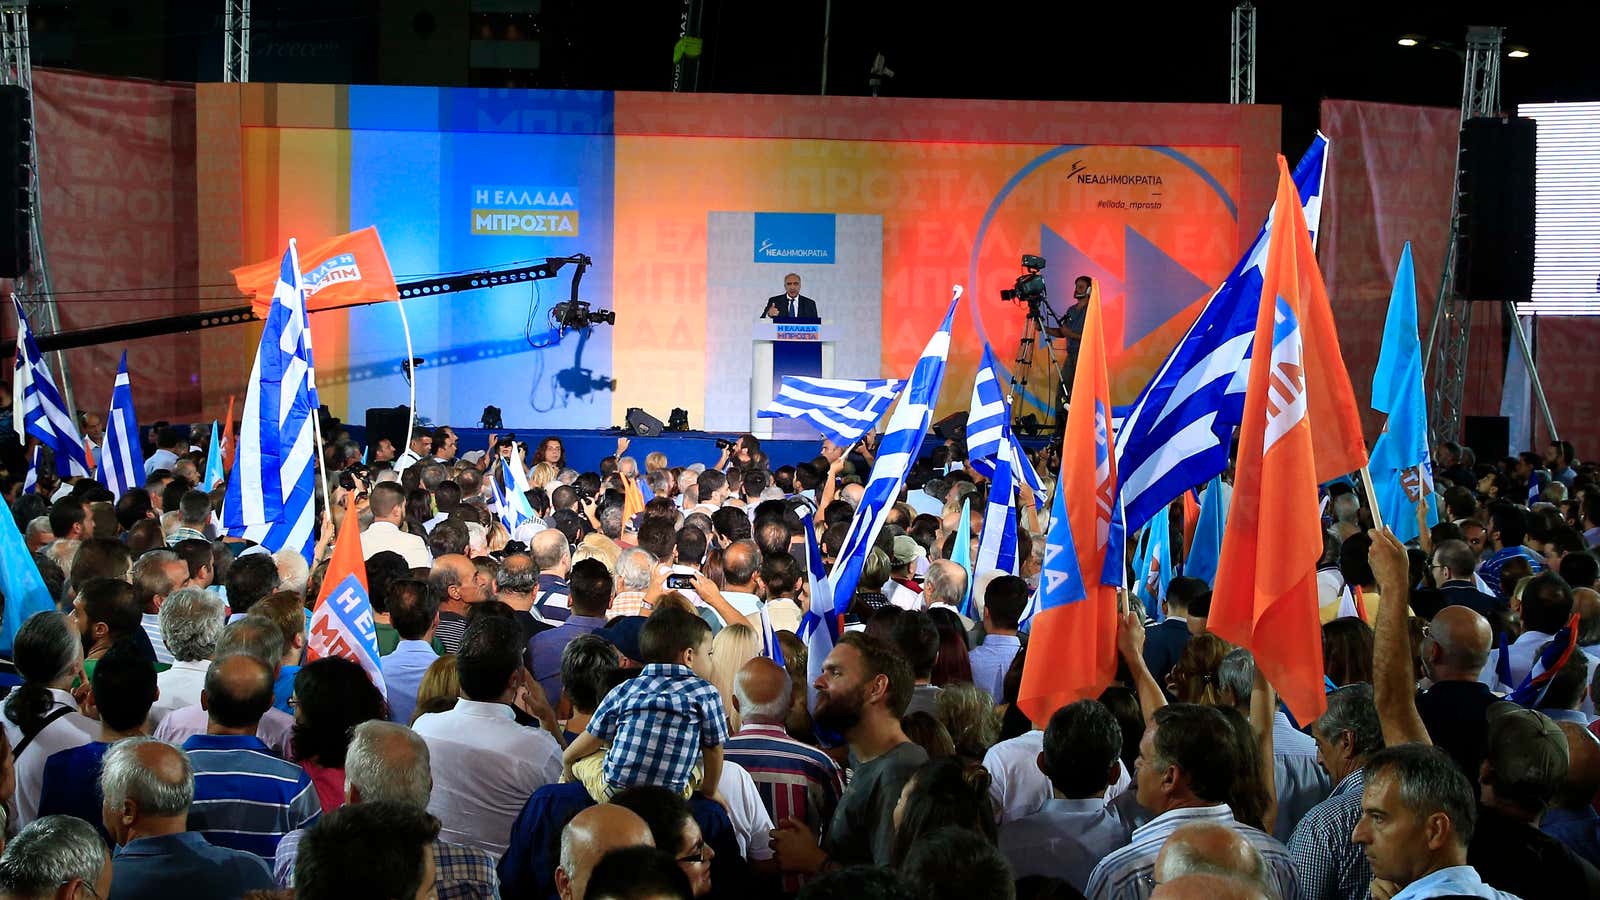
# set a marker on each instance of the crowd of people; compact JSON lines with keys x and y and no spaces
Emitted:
{"x":610,"y":702}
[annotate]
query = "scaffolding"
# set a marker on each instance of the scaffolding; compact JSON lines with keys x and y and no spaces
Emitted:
{"x":236,"y":41}
{"x":1242,"y":70}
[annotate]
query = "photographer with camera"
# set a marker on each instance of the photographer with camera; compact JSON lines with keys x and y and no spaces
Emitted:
{"x":1070,"y":326}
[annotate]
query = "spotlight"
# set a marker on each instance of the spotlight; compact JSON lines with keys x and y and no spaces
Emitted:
{"x":1409,"y":41}
{"x":1517,"y":53}
{"x":678,"y":420}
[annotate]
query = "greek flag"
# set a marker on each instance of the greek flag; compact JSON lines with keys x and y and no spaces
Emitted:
{"x":40,"y":411}
{"x":902,"y":442}
{"x":997,"y":543}
{"x":770,"y":648}
{"x":842,"y":409}
{"x":121,"y":456}
{"x":1177,"y":433}
{"x":989,"y":427}
{"x":819,"y":626}
{"x":30,"y":481}
{"x":271,"y":496}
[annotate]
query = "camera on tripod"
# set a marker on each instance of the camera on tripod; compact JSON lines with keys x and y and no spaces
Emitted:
{"x":1029,"y":287}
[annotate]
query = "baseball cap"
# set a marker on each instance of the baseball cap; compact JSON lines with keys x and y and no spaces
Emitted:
{"x":907,"y":550}
{"x":623,"y":633}
{"x":1528,"y":753}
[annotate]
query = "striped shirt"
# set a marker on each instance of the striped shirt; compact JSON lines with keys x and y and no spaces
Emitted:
{"x":794,"y":779}
{"x":1128,"y":873}
{"x":152,"y":629}
{"x":245,"y":798}
{"x":1327,"y":863}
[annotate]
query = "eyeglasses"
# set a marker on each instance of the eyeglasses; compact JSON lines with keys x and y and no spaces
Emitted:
{"x":86,"y":886}
{"x":700,"y":855}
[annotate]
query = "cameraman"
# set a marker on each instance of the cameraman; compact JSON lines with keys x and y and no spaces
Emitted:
{"x":1070,"y":326}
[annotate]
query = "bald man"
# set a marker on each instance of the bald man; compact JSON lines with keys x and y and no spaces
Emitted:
{"x":741,"y":571}
{"x":458,"y":584}
{"x":147,"y":787}
{"x":1207,"y":848}
{"x":590,"y":835}
{"x":1571,"y":817}
{"x":553,"y":556}
{"x":1455,"y":649}
{"x":1201,"y":886}
{"x":763,"y":693}
{"x":257,"y":797}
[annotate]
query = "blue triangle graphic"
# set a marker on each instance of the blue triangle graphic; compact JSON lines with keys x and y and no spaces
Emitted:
{"x":1159,"y":287}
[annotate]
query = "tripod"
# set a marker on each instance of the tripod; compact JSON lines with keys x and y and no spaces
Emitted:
{"x":1033,"y":329}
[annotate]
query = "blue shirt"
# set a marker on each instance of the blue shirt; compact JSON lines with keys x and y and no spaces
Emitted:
{"x":1064,"y":840}
{"x":546,"y":648}
{"x":71,"y":785}
{"x":991,"y":660}
{"x":1454,"y":881}
{"x":402,"y":677}
{"x":656,"y":723}
{"x":1326,"y":861}
{"x":185,"y":865}
{"x":283,"y":688}
{"x":1301,"y":782}
{"x":1578,"y":829}
{"x":1489,"y":570}
{"x":553,"y":599}
{"x":246,"y":798}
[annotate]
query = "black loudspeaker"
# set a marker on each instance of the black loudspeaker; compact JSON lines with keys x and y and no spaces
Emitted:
{"x":952,"y":427}
{"x":388,"y":422}
{"x":16,"y":201}
{"x":1497,"y":209}
{"x":642,"y":423}
{"x":1488,"y":436}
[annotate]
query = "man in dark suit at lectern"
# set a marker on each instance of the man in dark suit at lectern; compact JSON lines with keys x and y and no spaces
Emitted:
{"x":789,"y":304}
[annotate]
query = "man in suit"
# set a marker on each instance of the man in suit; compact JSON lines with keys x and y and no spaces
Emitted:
{"x":790,"y":304}
{"x":1453,"y":566}
{"x":1164,"y":642}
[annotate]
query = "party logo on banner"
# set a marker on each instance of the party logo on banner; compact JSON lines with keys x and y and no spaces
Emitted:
{"x":336,"y":270}
{"x":794,"y":237}
{"x":525,"y":211}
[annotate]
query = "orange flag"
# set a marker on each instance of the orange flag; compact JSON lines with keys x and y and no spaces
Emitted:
{"x":227,"y":438}
{"x":347,"y":270}
{"x":1072,"y":642}
{"x":1191,"y":519}
{"x":341,"y":620}
{"x":1299,"y":416}
{"x":632,"y":500}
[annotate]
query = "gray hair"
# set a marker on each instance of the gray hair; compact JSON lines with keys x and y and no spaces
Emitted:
{"x":40,"y":526}
{"x":1180,"y":857}
{"x":1352,"y":708}
{"x":191,"y":623}
{"x":774,"y":711}
{"x":1457,"y":556}
{"x":634,"y":569}
{"x":388,"y":762}
{"x":1237,"y":673}
{"x":1346,"y":507}
{"x":254,"y":636}
{"x":293,"y":572}
{"x":509,"y":579}
{"x":50,"y":852}
{"x":123,"y":777}
{"x":946,"y":582}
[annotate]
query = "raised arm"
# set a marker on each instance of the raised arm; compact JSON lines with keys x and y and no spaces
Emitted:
{"x":1394,"y":686}
{"x":1130,"y":643}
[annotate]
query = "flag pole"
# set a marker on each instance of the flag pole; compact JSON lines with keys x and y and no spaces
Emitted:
{"x":411,"y":382}
{"x":311,"y":384}
{"x":1372,"y":498}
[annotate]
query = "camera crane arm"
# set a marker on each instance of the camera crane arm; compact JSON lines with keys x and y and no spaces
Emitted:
{"x":238,"y":315}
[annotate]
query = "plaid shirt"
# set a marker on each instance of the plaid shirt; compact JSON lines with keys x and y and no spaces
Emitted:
{"x":1326,"y":862}
{"x":627,"y":603}
{"x":656,"y":724}
{"x":461,"y":872}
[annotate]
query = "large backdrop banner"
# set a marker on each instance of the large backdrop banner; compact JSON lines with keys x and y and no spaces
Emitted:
{"x":1155,"y":200}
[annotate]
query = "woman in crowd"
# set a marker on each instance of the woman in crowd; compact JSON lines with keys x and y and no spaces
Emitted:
{"x":331,"y":696}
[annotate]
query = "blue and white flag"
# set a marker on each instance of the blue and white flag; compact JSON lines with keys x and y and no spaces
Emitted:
{"x":1401,"y":466}
{"x":842,"y":409}
{"x":989,"y":427}
{"x":820,"y":626}
{"x":961,"y":552}
{"x":997,"y":543}
{"x":901,"y":444}
{"x":21,"y":585}
{"x":1177,"y":433}
{"x":271,"y":495}
{"x":39,"y":409}
{"x":214,"y":472}
{"x":770,"y":648}
{"x":30,"y":481}
{"x":1205,"y":551}
{"x":122,"y":456}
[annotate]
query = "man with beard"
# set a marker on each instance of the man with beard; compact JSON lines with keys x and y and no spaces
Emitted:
{"x":864,"y":687}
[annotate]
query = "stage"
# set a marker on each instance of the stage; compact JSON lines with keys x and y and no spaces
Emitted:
{"x":586,"y":447}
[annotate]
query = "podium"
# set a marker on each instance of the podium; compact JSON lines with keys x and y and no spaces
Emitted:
{"x":782,"y":347}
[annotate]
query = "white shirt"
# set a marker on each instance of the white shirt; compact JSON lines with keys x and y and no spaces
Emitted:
{"x":71,"y":730}
{"x":784,"y":614}
{"x":904,"y":597}
{"x":406,"y":460}
{"x":752,"y":824}
{"x":275,"y":728}
{"x":180,"y":686}
{"x":485,"y":767}
{"x":1017,"y":788}
{"x":381,"y":536}
{"x":746,"y":604}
